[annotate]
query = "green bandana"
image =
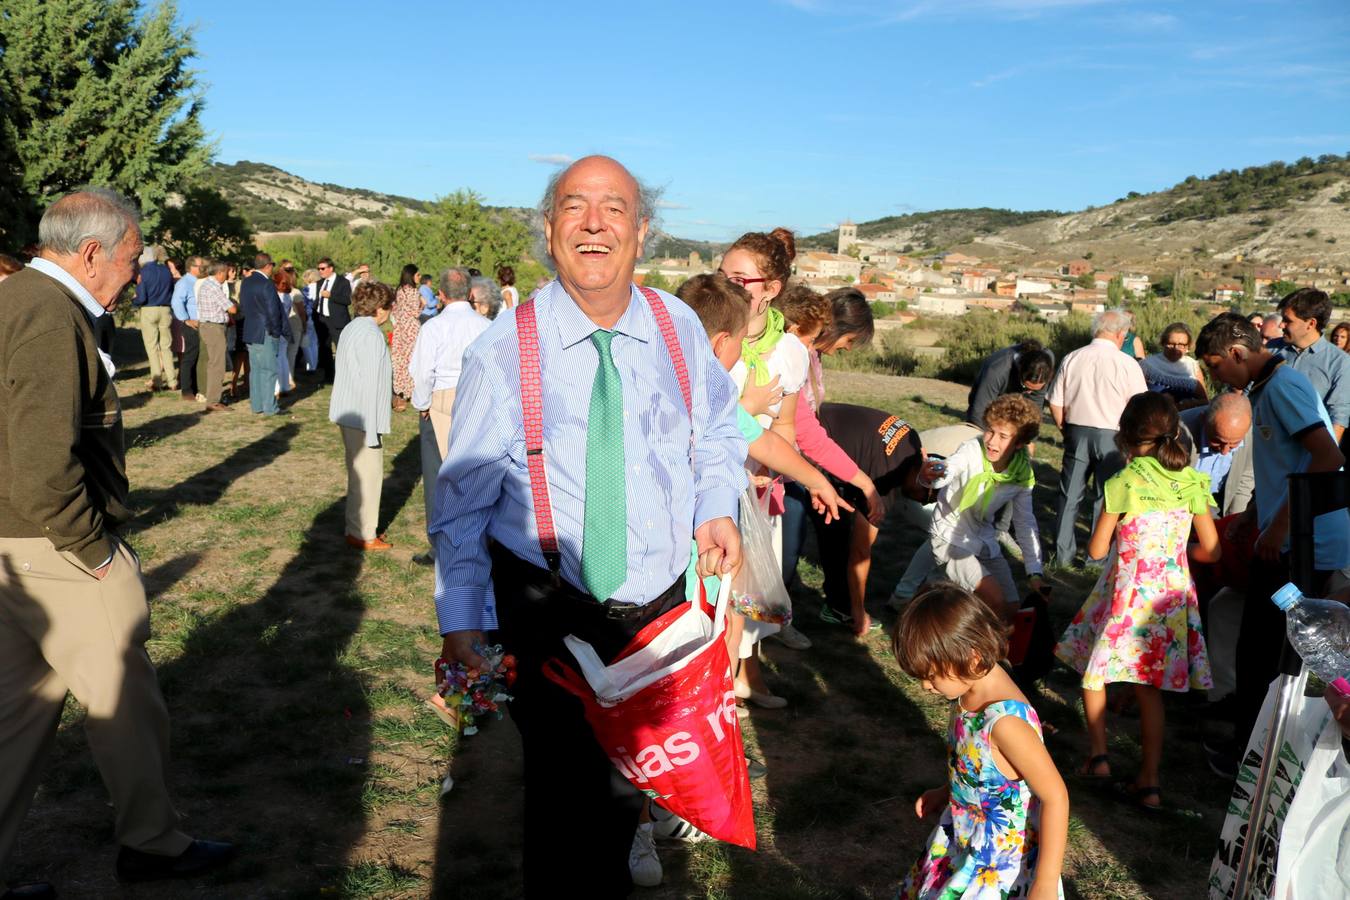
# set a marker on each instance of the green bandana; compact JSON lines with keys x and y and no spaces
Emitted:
{"x":979,"y":490}
{"x":1145,"y":486}
{"x":753,"y":352}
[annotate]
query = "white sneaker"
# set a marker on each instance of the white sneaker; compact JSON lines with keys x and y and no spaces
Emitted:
{"x":793,"y":639}
{"x":643,"y":864}
{"x":667,"y":826}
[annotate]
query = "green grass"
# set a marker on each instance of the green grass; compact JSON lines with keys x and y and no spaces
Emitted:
{"x":295,"y":670}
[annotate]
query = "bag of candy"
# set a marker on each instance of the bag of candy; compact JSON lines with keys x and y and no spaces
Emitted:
{"x":757,"y":591}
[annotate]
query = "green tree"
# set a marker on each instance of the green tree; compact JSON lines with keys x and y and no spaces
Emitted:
{"x":1115,"y":291}
{"x":1282,"y":287}
{"x":1249,"y":294}
{"x":1087,"y":281}
{"x":92,"y":93}
{"x":1182,"y":286}
{"x":204,"y":224}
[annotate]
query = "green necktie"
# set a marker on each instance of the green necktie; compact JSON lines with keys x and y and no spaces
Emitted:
{"x":604,"y":539}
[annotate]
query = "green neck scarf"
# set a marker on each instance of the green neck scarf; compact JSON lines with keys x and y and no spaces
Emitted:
{"x":1145,"y":486}
{"x":754,"y":352}
{"x":979,"y":490}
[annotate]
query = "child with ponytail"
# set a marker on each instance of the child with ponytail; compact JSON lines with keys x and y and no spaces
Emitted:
{"x":1141,"y":623}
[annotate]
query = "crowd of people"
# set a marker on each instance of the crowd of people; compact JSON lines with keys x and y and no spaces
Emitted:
{"x":590,"y":455}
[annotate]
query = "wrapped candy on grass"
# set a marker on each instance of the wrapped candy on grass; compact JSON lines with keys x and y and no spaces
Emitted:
{"x":464,"y":694}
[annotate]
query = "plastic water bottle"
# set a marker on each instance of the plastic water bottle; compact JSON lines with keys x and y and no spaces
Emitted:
{"x":1320,"y":631}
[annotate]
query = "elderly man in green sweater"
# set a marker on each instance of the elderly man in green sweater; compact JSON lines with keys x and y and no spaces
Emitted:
{"x":73,"y":612}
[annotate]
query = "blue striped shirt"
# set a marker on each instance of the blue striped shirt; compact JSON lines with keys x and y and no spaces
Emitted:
{"x":483,"y":491}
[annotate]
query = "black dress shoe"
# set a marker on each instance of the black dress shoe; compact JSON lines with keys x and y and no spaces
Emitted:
{"x":37,"y":890}
{"x":199,"y":858}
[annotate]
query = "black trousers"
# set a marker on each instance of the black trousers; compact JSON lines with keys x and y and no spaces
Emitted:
{"x":187,"y":363}
{"x":1260,"y":638}
{"x":327,"y":365}
{"x":832,"y":542}
{"x":580,"y":813}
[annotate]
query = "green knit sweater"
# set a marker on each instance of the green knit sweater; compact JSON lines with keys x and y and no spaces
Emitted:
{"x":62,"y":461}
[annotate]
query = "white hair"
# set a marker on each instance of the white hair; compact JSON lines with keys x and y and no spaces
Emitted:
{"x":647,"y":196}
{"x":485,"y":291}
{"x":1111,"y":321}
{"x":86,"y":214}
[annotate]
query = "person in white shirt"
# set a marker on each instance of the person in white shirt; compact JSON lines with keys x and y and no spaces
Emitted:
{"x":1086,"y":399}
{"x":435,"y":365}
{"x":984,"y":475}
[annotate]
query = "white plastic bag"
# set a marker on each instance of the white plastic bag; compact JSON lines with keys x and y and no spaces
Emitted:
{"x":1314,"y":861}
{"x":757,"y":590}
{"x":1307,"y":717}
{"x":667,"y":652}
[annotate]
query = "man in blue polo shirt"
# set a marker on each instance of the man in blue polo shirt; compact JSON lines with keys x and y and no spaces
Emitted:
{"x":1291,"y":432}
{"x":1304,"y":315}
{"x":154,"y":293}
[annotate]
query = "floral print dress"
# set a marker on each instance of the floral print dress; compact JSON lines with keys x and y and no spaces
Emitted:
{"x":407,"y":307}
{"x":1141,"y":623}
{"x":986,"y":845}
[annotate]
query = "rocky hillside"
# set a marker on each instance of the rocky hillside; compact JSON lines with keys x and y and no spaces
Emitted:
{"x":273,"y":200}
{"x":1278,"y":213}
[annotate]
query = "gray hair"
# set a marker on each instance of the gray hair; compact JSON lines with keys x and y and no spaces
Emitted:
{"x":454,"y":283}
{"x":216,"y":266}
{"x":1229,"y":403}
{"x":485,"y":291}
{"x":647,"y":195}
{"x":1111,"y":321}
{"x":87,"y":214}
{"x":1270,"y":318}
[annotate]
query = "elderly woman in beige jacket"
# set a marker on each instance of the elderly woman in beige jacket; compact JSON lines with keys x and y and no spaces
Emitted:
{"x":360,"y":407}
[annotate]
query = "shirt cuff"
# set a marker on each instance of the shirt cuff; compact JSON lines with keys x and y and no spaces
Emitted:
{"x":97,"y":554}
{"x":466,"y":608}
{"x":715,"y":504}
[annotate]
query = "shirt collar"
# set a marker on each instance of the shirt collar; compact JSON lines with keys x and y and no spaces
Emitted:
{"x":1107,"y":341}
{"x":574,"y":327}
{"x":52,"y":270}
{"x":1316,"y":346}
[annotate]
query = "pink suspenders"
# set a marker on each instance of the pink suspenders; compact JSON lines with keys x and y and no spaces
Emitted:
{"x":532,"y":408}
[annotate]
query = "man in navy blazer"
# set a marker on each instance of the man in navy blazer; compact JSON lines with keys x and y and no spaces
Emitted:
{"x":263,"y":326}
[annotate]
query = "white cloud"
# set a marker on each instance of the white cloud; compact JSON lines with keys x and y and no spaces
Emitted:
{"x":669,"y":204}
{"x":552,"y":159}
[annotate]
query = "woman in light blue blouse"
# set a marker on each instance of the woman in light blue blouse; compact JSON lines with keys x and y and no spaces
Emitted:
{"x":360,"y":406}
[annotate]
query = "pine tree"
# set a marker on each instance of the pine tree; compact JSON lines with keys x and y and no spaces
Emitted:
{"x":92,"y":94}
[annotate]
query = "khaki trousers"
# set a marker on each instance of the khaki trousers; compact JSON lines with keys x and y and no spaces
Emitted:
{"x":365,"y":478}
{"x":434,"y":432}
{"x":215,"y":359}
{"x":157,"y":333}
{"x":63,"y":629}
{"x":442,"y":403}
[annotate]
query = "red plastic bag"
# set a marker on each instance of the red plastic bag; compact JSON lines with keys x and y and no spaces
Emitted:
{"x":676,"y":738}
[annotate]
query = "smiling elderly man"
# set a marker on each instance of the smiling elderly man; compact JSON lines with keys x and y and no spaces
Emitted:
{"x":73,"y":613}
{"x":627,"y":495}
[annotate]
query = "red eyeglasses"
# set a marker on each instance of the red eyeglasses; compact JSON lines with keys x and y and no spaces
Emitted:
{"x":741,"y":280}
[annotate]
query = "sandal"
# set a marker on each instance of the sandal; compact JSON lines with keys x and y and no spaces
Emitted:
{"x":1134,"y":795}
{"x":830,"y":616}
{"x":1089,"y":768}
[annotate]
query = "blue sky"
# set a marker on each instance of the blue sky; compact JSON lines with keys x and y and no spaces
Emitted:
{"x":778,"y":112}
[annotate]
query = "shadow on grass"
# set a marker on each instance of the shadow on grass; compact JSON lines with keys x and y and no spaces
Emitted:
{"x":277,"y":717}
{"x":156,"y":430}
{"x":209,"y":485}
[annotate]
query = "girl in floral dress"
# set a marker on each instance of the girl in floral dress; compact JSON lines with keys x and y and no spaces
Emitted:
{"x":1141,"y":623}
{"x":1005,"y":810}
